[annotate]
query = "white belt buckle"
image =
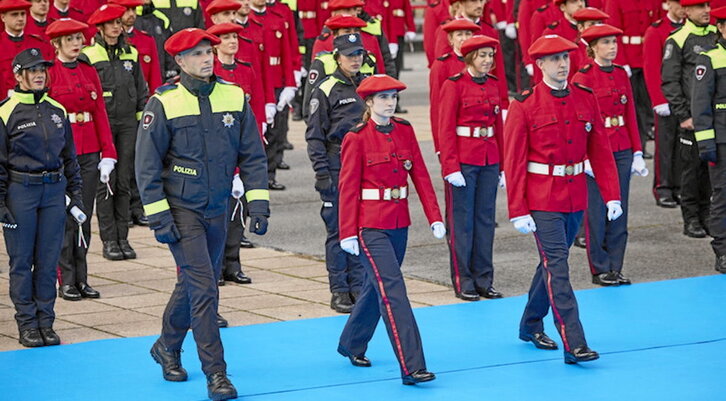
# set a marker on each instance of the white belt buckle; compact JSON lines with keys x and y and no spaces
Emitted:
{"x":558,"y":170}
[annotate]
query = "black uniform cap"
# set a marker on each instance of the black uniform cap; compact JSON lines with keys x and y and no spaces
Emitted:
{"x":29,"y":58}
{"x":348,"y":44}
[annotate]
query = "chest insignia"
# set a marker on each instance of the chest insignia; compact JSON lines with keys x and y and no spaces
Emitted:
{"x":496,"y":109}
{"x":588,"y":127}
{"x":278,"y":34}
{"x":228,"y":120}
{"x":187,"y":11}
{"x":407,"y":164}
{"x":623,"y":99}
{"x":57,"y":120}
{"x":147,"y":58}
{"x":697,"y":49}
{"x":128,"y":65}
{"x":94,"y":95}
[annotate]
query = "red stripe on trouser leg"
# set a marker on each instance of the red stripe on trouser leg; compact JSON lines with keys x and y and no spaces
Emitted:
{"x":58,"y":273}
{"x":587,"y":245}
{"x":555,"y":311}
{"x":452,"y":237}
{"x":387,"y":303}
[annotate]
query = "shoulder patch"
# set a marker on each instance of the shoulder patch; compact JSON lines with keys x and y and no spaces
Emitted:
{"x":34,"y":36}
{"x":400,"y":120}
{"x":543,"y":7}
{"x":358,"y":127}
{"x":586,"y":68}
{"x":165,"y":88}
{"x":243,"y":62}
{"x":583,"y":87}
{"x":522,"y":96}
{"x":444,"y":57}
{"x":246,"y":39}
{"x":455,"y":77}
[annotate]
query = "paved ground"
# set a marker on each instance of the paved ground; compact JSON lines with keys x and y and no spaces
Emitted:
{"x":290,"y":280}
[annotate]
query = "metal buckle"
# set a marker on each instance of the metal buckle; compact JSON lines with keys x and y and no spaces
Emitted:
{"x":558,"y":170}
{"x":80,"y":118}
{"x":569,"y":170}
{"x":614,"y":121}
{"x":395,"y":193}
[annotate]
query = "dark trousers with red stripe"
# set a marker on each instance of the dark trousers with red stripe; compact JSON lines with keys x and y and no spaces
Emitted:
{"x":606,"y":240}
{"x":384,"y":295}
{"x":551,"y":283}
{"x":470,"y":217}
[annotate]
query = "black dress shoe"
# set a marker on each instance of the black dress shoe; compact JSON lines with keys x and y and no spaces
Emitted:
{"x":288,"y":146}
{"x":468,"y":296}
{"x":31,"y":338}
{"x":606,"y":279}
{"x":275,"y":186}
{"x":49,"y":336}
{"x":419,"y":376}
{"x":111,"y":251}
{"x":87,"y":292}
{"x":239,"y":278}
{"x":356,"y":360}
{"x":694,"y":229}
{"x":354,"y":296}
{"x":126,"y":249}
{"x":580,"y":354}
{"x":141,"y":220}
{"x":69,"y":293}
{"x":580,"y":242}
{"x":221,"y":322}
{"x":540,"y":340}
{"x":622,"y":280}
{"x":245,"y":243}
{"x":220,"y":388}
{"x":721,"y":264}
{"x":489,"y":293}
{"x":170,"y":362}
{"x":130,"y":223}
{"x":666,"y":202}
{"x":283,"y":166}
{"x":221,"y":281}
{"x":341,"y":302}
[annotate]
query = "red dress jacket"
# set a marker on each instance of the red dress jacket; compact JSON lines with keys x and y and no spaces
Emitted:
{"x":653,"y":47}
{"x":148,"y":57}
{"x":544,"y":128}
{"x":437,"y":11}
{"x":9,"y":48}
{"x":633,"y":17}
{"x":444,"y":67}
{"x":371,"y":159}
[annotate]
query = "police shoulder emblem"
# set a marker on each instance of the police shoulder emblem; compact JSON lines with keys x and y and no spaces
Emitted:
{"x":588,"y":126}
{"x":407,"y":164}
{"x":57,"y":120}
{"x":623,"y":99}
{"x":147,"y":119}
{"x":314,"y":104}
{"x":700,"y":71}
{"x":128,"y":65}
{"x":228,"y":120}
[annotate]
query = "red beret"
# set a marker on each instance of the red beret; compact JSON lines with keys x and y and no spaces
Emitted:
{"x":477,"y":42}
{"x":686,"y":3}
{"x":187,"y":39}
{"x":600,"y":31}
{"x":550,"y":44}
{"x":719,"y":13}
{"x":64,"y":26}
{"x":378,"y":83}
{"x":11,"y":5}
{"x":460,"y":25}
{"x":127,"y":3}
{"x":107,"y":12}
{"x":343,"y":4}
{"x":590,"y":14}
{"x":227,"y":27}
{"x":344,"y":21}
{"x":217,"y":6}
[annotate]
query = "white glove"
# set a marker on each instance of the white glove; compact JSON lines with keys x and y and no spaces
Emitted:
{"x":456,"y":179}
{"x":588,"y":169}
{"x":298,"y":78}
{"x":238,"y":188}
{"x":502,"y":180}
{"x":504,"y":116}
{"x":628,"y":70}
{"x":106,"y":166}
{"x":270,"y":111}
{"x":286,"y":96}
{"x":614,"y":210}
{"x":393,"y":48}
{"x":530,"y":69}
{"x":524,"y":224}
{"x":303,"y":72}
{"x":510,"y":31}
{"x":663,"y":110}
{"x":638,"y":167}
{"x":500,"y":25}
{"x":438,"y":229}
{"x":350,"y":245}
{"x":409,"y":36}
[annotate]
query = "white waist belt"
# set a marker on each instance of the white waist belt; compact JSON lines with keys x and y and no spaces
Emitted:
{"x":476,"y":132}
{"x":274,"y":60}
{"x":80,"y":117}
{"x":388,"y":193}
{"x":559,"y":170}
{"x":633,"y":40}
{"x":306,"y":14}
{"x":614,"y":121}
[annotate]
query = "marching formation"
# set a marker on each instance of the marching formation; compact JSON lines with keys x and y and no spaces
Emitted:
{"x":174,"y":114}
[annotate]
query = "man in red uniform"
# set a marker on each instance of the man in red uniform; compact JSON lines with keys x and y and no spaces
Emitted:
{"x":13,"y":40}
{"x":144,"y":43}
{"x":551,"y":130}
{"x":666,"y":174}
{"x":545,"y":14}
{"x":526,"y":10}
{"x":435,"y":14}
{"x":63,"y":9}
{"x":564,"y":25}
{"x":634,"y":17}
{"x":38,"y":19}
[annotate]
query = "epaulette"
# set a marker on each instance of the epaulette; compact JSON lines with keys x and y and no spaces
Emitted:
{"x":358,"y":127}
{"x":676,"y":30}
{"x":243,"y":62}
{"x":455,"y":77}
{"x":583,"y":87}
{"x":166,"y":87}
{"x":34,"y":36}
{"x":433,"y":3}
{"x":83,"y":58}
{"x":656,"y":24}
{"x":444,"y":57}
{"x":492,"y":76}
{"x":324,"y":36}
{"x":256,"y":22}
{"x":400,"y":120}
{"x":619,"y":66}
{"x":586,"y":68}
{"x":142,"y":32}
{"x":246,"y":39}
{"x":543,"y":7}
{"x":76,"y":9}
{"x":522,"y":96}
{"x":553,"y":25}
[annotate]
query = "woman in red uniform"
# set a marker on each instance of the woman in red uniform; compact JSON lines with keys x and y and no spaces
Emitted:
{"x":75,"y":84}
{"x":470,"y":131}
{"x":606,"y":240}
{"x":378,"y":156}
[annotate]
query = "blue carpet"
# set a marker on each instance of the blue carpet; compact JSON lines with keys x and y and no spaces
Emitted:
{"x":658,"y":341}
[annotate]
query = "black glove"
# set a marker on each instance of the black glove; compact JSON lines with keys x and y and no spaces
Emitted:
{"x":323,"y":183}
{"x":6,"y":218}
{"x":707,"y":150}
{"x":164,"y":228}
{"x":258,"y":224}
{"x":259,"y":211}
